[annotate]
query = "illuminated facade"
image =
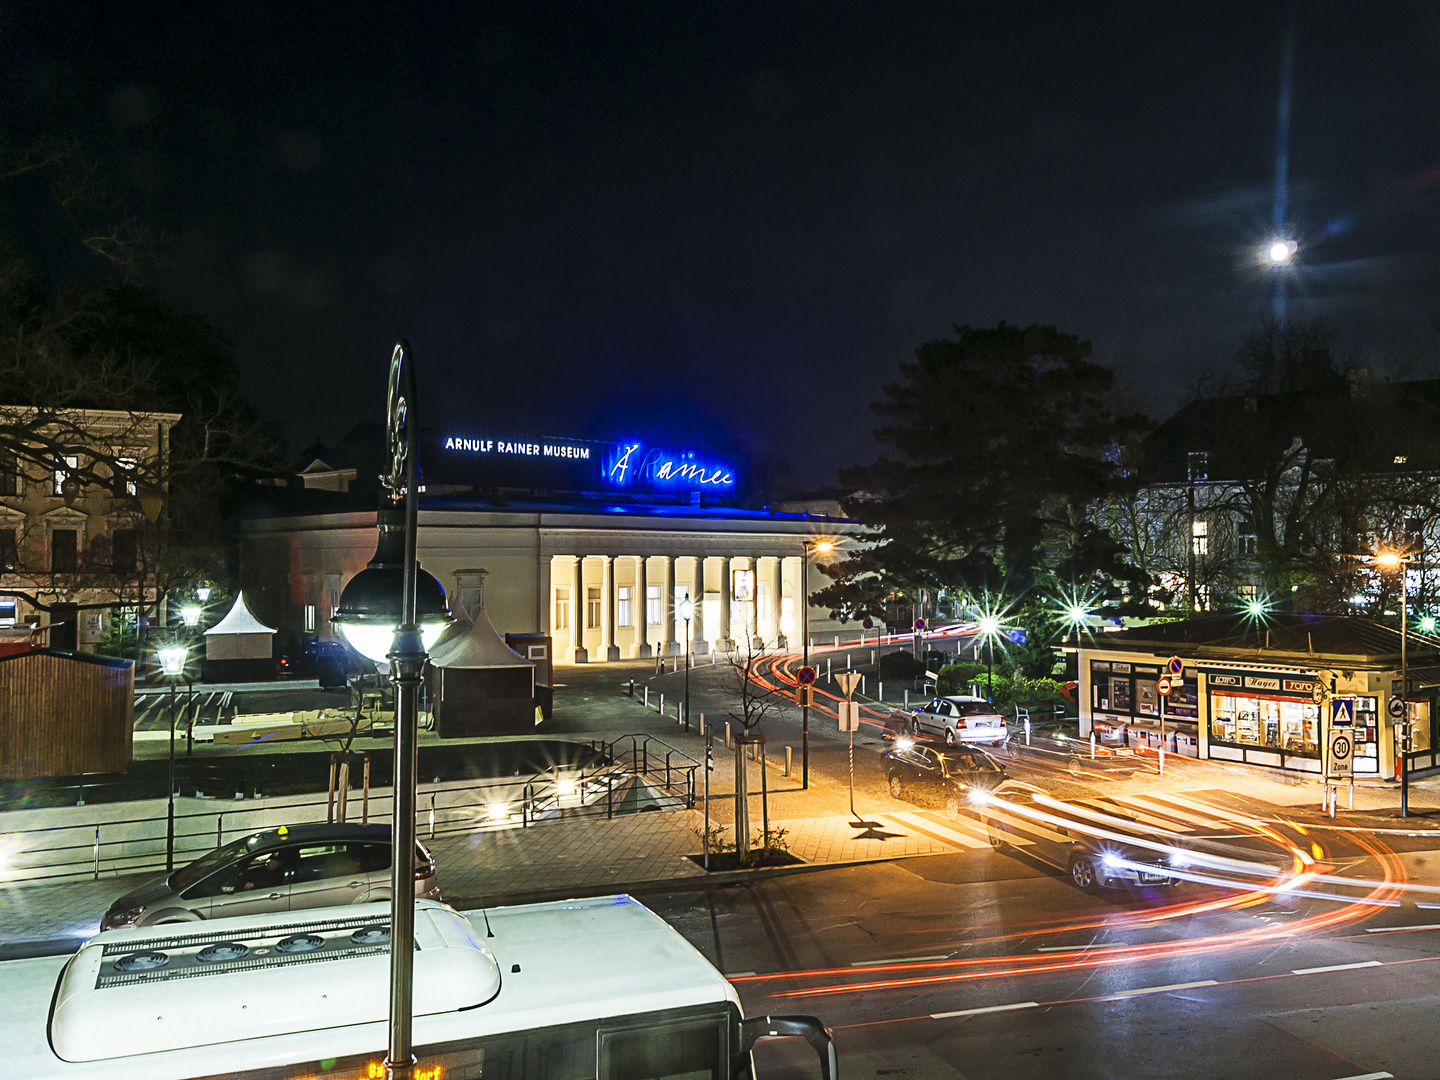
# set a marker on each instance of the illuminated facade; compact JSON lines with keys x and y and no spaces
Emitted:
{"x":594,"y":543}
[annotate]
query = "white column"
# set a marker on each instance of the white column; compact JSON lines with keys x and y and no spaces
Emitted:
{"x":667,"y":608}
{"x":640,"y":611}
{"x":753,"y":615}
{"x":607,"y":609}
{"x":776,"y":587}
{"x":722,"y":640}
{"x":578,"y":655}
{"x":700,"y":645}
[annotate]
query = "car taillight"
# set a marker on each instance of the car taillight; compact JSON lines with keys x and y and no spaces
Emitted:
{"x":426,"y":870}
{"x":960,"y":723}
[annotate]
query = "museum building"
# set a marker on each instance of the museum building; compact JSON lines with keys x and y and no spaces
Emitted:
{"x":593,"y":543}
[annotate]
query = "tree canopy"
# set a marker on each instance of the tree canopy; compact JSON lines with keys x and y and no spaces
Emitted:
{"x":998,"y":443}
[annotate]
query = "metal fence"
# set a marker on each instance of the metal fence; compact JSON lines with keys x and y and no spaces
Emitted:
{"x":641,"y":773}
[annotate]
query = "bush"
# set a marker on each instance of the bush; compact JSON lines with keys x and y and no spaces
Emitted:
{"x":956,"y":678}
{"x":900,"y":664}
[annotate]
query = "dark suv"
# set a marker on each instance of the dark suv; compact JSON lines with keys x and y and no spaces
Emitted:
{"x":299,"y":866}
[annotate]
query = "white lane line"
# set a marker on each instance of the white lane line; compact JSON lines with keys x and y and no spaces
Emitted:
{"x":1083,"y":948}
{"x":738,"y":974}
{"x":1160,"y":989}
{"x":1371,"y":1076}
{"x":1336,"y":967}
{"x":1399,"y":929}
{"x":987,"y":1009}
{"x":1422,"y":904}
{"x":900,"y":960}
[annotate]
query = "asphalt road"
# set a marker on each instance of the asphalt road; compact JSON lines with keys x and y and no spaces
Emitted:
{"x":986,"y":965}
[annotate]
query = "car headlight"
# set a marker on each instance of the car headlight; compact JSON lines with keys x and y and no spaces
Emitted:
{"x":116,"y":918}
{"x":1113,"y":861}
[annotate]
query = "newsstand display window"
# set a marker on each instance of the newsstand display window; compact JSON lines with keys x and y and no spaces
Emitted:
{"x":1264,"y":712}
{"x":1128,"y":691}
{"x":1367,"y":728}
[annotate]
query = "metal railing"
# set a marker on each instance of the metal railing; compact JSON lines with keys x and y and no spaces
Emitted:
{"x":638,"y":773}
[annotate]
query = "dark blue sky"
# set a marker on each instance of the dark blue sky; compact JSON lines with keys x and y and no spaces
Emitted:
{"x":590,"y":217}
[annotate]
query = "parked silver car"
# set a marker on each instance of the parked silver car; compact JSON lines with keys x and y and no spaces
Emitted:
{"x":285,"y":869}
{"x":960,"y":719}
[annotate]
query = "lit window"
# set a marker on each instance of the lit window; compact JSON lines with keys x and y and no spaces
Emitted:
{"x":63,"y":472}
{"x":653,"y":614}
{"x":1247,"y":544}
{"x":622,"y":606}
{"x":743,"y":589}
{"x":1200,"y":537}
{"x":127,"y":465}
{"x":1401,"y":459}
{"x":592,"y":607}
{"x":309,"y":618}
{"x":562,"y":609}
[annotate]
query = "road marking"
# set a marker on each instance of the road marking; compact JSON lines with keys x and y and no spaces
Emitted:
{"x":964,"y":824}
{"x":738,"y":974}
{"x":946,"y":834}
{"x":987,"y":1009}
{"x":1159,"y":989}
{"x":901,"y":960}
{"x":1400,"y":929}
{"x":1153,"y":805}
{"x":1133,"y":810}
{"x":1336,"y":967}
{"x":1371,"y":1076}
{"x":1083,"y":948}
{"x":1422,"y":904}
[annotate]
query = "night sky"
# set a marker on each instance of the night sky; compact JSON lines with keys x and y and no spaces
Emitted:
{"x":615,"y":218}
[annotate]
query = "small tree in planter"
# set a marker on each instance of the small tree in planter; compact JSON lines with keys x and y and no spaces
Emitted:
{"x":755,"y":702}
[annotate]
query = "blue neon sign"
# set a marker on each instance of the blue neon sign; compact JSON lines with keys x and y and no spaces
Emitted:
{"x":631,"y":465}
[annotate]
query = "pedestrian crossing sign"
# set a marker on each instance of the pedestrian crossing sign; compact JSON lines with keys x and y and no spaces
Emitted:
{"x":1342,"y":712}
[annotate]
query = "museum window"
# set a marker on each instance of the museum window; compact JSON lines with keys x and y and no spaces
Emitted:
{"x":126,"y":465}
{"x":1199,"y":465}
{"x":623,"y":614}
{"x":653,"y":613}
{"x":9,"y":475}
{"x":592,"y":607}
{"x":562,"y":609}
{"x":1247,"y":544}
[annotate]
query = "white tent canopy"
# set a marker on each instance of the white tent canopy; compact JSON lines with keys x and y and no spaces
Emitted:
{"x":239,"y":635}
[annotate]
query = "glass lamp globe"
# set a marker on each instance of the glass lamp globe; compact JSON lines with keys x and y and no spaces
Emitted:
{"x":370,"y":606}
{"x":687,"y":609}
{"x":172,"y":659}
{"x":989,"y":624}
{"x":191,"y":614}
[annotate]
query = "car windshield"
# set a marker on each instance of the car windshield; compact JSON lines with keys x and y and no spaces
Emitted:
{"x":963,"y":761}
{"x":204,"y":866}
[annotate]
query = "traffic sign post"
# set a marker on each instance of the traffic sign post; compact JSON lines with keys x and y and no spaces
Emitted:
{"x":849,"y":713}
{"x":1163,"y":686}
{"x":1338,"y":749}
{"x":1175,"y":666}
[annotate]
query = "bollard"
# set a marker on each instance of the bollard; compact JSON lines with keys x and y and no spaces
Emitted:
{"x":872,"y":656}
{"x":907,"y":697}
{"x":662,"y":703}
{"x":837,"y":641}
{"x":847,"y":661}
{"x":862,"y":684}
{"x":1027,"y":731}
{"x":880,"y":691}
{"x":97,"y":852}
{"x":218,"y":832}
{"x":678,"y":718}
{"x":702,"y":725}
{"x":727,"y":736}
{"x":1092,"y":746}
{"x":788,"y":752}
{"x":647,"y":697}
{"x":827,"y":670}
{"x":432,"y":815}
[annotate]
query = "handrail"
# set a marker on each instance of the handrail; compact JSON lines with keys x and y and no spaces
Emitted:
{"x":444,"y":809}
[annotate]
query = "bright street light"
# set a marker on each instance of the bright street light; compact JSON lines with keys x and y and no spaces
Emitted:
{"x":989,"y":625}
{"x":1255,"y":608}
{"x":191,"y":614}
{"x":172,"y":666}
{"x":1280,"y":252}
{"x":1427,"y":624}
{"x":1076,"y":614}
{"x":1388,"y":559}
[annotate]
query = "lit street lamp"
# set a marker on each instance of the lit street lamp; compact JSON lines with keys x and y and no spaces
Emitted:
{"x":989,"y":627}
{"x":172,"y":666}
{"x":821,"y":547}
{"x":687,"y":611}
{"x":1389,"y":560}
{"x":190,"y":613}
{"x":394,"y":610}
{"x":1280,"y":251}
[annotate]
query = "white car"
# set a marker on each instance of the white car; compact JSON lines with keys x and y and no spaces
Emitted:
{"x":960,"y":719}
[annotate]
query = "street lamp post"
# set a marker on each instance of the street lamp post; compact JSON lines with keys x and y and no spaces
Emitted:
{"x":989,"y":626}
{"x":392,"y":610}
{"x":687,"y":611}
{"x":821,"y":546}
{"x":190,"y":613}
{"x":1392,"y":561}
{"x":172,"y":666}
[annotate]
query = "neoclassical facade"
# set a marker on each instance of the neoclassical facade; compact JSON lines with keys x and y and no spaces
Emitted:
{"x":606,"y":580}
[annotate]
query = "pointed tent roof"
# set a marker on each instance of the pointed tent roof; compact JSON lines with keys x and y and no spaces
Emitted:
{"x":240,"y":621}
{"x":473,"y":642}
